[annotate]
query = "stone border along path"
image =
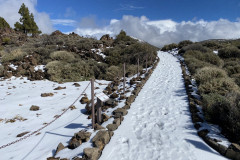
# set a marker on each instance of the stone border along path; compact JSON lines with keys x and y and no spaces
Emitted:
{"x":103,"y":136}
{"x":233,"y":150}
{"x":159,"y":125}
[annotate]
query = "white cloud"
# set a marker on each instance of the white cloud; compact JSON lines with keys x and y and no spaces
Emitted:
{"x":163,"y":32}
{"x":9,"y":11}
{"x":64,"y":22}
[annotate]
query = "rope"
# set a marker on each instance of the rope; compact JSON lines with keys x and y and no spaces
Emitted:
{"x":100,"y":83}
{"x":37,"y":131}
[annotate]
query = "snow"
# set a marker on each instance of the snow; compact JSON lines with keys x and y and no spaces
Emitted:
{"x":16,"y":97}
{"x":215,"y":52}
{"x":99,"y":52}
{"x":158,"y":125}
{"x":13,"y":66}
{"x":39,"y":67}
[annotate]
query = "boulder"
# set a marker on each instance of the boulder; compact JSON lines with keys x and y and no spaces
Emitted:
{"x":84,"y":100}
{"x":59,"y":88}
{"x":203,"y":133}
{"x":22,"y":134}
{"x":112,"y":127}
{"x":74,"y":143}
{"x":105,"y":117}
{"x":98,"y":127}
{"x":117,"y":121}
{"x":83,"y":136}
{"x":120,"y":111}
{"x":47,"y":94}
{"x":34,"y":108}
{"x":110,"y":102}
{"x":76,"y":84}
{"x":101,"y":139}
{"x":131,"y":99}
{"x":53,"y":158}
{"x":91,"y":153}
{"x":114,"y":95}
{"x":59,"y":148}
{"x":115,"y":88}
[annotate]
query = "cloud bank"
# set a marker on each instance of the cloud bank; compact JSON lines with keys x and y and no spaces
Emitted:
{"x":163,"y":32}
{"x":9,"y":11}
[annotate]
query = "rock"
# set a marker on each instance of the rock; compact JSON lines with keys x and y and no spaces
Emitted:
{"x":117,"y":121}
{"x":114,"y":95}
{"x":74,"y":143}
{"x":59,"y":88}
{"x":91,"y":153}
{"x":47,"y":94}
{"x":132,"y":81}
{"x":106,"y":37}
{"x":120,"y":111}
{"x":197,"y":125}
{"x":59,"y":148}
{"x":112,"y":127}
{"x":131,"y":99}
{"x":84,"y":100}
{"x":22,"y":134}
{"x":111,"y":133}
{"x":83,"y":136}
{"x":122,"y":97}
{"x":110,"y":102}
{"x":76,"y":84}
{"x":34,"y":108}
{"x":105,"y":117}
{"x":72,"y":107}
{"x":230,"y":153}
{"x":53,"y":158}
{"x":203,"y":133}
{"x":101,"y":139}
{"x":127,"y":106}
{"x":115,"y":88}
{"x":98,"y":127}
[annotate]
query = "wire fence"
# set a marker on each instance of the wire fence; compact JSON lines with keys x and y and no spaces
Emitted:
{"x":37,"y":131}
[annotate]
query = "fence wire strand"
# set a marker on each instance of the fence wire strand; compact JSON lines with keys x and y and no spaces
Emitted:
{"x":37,"y":131}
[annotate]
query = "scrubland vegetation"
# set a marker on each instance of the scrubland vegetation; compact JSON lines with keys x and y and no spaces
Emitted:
{"x":218,"y":79}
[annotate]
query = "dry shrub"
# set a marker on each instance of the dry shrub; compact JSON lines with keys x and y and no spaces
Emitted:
{"x":208,"y":57}
{"x":1,"y":70}
{"x":60,"y":71}
{"x":62,"y":56}
{"x":229,"y":52}
{"x":195,"y":64}
{"x":220,"y":86}
{"x":207,"y":73}
{"x":113,"y":72}
{"x":15,"y":55}
{"x":194,"y":47}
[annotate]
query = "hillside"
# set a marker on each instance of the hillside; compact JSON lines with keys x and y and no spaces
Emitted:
{"x":63,"y":58}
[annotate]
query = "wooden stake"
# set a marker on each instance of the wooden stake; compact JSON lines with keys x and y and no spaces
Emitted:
{"x":93,"y":108}
{"x":124,"y":80}
{"x":138,"y":68}
{"x":99,"y":111}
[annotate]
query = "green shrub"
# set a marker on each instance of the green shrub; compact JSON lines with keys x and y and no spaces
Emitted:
{"x":213,"y":105}
{"x":207,"y":73}
{"x":113,"y":72}
{"x":169,"y":47}
{"x":61,"y":71}
{"x":184,"y":43}
{"x":1,"y":70}
{"x":193,"y":47}
{"x":15,"y":55}
{"x":229,"y":52}
{"x":195,"y":64}
{"x":208,"y":57}
{"x":62,"y":56}
{"x":236,"y":78}
{"x":211,"y":44}
{"x":220,"y":86}
{"x":6,"y":40}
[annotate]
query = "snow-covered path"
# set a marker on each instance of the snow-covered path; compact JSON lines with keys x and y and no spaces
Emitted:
{"x":158,"y":126}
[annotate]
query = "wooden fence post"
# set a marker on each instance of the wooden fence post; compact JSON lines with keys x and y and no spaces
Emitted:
{"x":124,"y":80}
{"x":138,"y":69}
{"x":99,"y":111}
{"x":93,"y":108}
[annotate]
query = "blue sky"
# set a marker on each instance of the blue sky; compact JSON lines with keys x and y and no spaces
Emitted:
{"x":158,"y":22}
{"x":105,"y":10}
